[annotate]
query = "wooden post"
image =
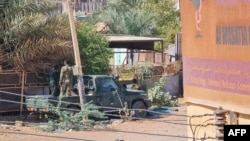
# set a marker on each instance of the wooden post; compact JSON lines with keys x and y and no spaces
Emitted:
{"x":90,"y":7}
{"x":22,"y":92}
{"x":220,"y":121}
{"x":76,"y":51}
{"x":153,"y":56}
{"x":86,"y":7}
{"x":162,"y":53}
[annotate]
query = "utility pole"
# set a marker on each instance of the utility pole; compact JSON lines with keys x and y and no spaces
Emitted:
{"x":76,"y":52}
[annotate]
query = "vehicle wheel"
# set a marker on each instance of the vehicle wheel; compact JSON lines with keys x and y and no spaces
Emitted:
{"x":139,"y":109}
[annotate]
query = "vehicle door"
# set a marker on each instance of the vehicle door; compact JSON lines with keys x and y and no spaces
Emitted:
{"x":112,"y":95}
{"x":89,"y":90}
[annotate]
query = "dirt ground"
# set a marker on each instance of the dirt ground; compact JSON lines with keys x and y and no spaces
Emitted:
{"x":169,"y":127}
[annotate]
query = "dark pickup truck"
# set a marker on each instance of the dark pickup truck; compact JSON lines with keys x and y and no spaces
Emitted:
{"x":103,"y":91}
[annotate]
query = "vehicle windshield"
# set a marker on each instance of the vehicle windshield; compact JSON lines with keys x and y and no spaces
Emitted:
{"x":120,"y":85}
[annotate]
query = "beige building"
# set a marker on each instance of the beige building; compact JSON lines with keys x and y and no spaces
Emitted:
{"x":82,"y":7}
{"x":216,"y":64}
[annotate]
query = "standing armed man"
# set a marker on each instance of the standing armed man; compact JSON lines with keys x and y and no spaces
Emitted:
{"x":66,"y":77}
{"x":53,"y":80}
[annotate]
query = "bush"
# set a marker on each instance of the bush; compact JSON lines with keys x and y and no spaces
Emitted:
{"x":73,"y":119}
{"x":159,"y":97}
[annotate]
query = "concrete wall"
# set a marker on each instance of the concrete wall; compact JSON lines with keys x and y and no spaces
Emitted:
{"x":194,"y":109}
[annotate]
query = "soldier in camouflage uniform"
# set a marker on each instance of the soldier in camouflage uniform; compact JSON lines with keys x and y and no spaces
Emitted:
{"x":66,"y":77}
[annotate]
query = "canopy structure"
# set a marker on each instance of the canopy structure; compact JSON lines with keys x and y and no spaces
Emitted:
{"x":132,"y":42}
{"x":135,"y":43}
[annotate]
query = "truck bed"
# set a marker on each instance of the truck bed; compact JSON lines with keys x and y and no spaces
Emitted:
{"x":42,"y":102}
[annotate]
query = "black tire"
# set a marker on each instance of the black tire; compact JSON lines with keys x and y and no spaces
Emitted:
{"x":139,"y":109}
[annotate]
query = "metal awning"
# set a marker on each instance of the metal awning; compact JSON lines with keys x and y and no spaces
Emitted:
{"x":132,"y":42}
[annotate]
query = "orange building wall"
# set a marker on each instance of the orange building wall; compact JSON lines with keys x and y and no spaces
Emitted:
{"x":216,"y":53}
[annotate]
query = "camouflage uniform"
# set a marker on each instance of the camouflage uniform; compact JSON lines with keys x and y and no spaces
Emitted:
{"x":66,"y":77}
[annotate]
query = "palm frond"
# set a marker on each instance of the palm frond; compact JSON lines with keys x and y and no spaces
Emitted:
{"x":32,"y":35}
{"x":45,"y":51}
{"x":132,"y":21}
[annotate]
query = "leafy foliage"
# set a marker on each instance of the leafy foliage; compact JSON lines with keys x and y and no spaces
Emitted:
{"x":159,"y":97}
{"x":142,"y":18}
{"x":145,"y":70}
{"x":126,"y":17}
{"x":32,"y":36}
{"x":74,"y":119}
{"x":94,"y":50}
{"x":167,"y":16}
